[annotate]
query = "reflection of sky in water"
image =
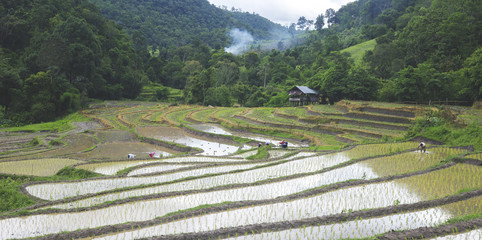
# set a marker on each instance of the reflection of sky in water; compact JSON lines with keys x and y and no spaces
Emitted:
{"x":176,"y":135}
{"x":209,"y":128}
{"x":112,"y":167}
{"x":154,"y":169}
{"x":474,"y":234}
{"x":359,"y":228}
{"x":209,"y":148}
{"x":354,"y":198}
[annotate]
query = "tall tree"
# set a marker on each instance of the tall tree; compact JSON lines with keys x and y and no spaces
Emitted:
{"x":302,"y":23}
{"x":330,"y":15}
{"x":320,"y":23}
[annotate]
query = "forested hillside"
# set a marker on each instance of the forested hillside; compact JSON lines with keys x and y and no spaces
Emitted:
{"x":163,"y":23}
{"x":55,"y":54}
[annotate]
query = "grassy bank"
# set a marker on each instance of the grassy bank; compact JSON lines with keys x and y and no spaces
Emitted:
{"x":11,"y":196}
{"x":442,"y":125}
{"x":61,"y":125}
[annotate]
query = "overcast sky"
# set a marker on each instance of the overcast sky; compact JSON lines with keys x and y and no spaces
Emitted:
{"x":283,"y":12}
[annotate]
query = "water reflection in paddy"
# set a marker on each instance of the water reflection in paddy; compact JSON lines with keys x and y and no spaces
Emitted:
{"x":264,"y":191}
{"x":56,"y":191}
{"x":355,"y":198}
{"x":374,"y":226}
{"x":369,"y":196}
{"x":176,"y":135}
{"x":361,"y":170}
{"x":111,"y":168}
{"x":156,"y":169}
{"x":211,"y":128}
{"x":305,"y":165}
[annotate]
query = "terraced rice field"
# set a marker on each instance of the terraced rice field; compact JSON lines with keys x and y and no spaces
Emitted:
{"x":200,"y":184}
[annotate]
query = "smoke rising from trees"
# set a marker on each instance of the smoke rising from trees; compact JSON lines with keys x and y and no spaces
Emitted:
{"x":240,"y":40}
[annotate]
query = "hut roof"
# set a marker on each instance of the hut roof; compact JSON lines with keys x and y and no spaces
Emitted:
{"x":305,"y":90}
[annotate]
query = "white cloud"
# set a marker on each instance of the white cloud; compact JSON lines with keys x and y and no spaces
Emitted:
{"x":283,"y":12}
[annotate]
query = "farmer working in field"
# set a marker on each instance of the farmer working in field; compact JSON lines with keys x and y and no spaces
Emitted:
{"x":422,"y":146}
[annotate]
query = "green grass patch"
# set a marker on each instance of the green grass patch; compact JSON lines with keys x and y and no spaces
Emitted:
{"x":358,"y":51}
{"x":62,"y":125}
{"x":72,"y":173}
{"x":325,"y":148}
{"x":11,"y":197}
{"x":463,"y":218}
{"x":261,"y":154}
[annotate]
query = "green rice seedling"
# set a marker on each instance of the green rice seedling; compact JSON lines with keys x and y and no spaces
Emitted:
{"x":448,"y":181}
{"x":36,"y":167}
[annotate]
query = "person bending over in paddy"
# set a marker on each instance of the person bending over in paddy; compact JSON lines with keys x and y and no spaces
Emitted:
{"x":422,"y":147}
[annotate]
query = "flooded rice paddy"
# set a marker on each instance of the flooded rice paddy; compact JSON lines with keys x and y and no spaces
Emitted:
{"x":56,"y":191}
{"x":176,"y":135}
{"x":111,"y":168}
{"x":474,"y":234}
{"x":365,"y":228}
{"x":350,"y":199}
{"x":157,"y":169}
{"x":36,"y":167}
{"x":214,"y":129}
{"x":368,"y":196}
{"x":291,"y":184}
{"x":119,"y":150}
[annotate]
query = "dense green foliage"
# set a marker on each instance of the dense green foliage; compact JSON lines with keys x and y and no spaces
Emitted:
{"x":440,"y":125}
{"x":165,"y":23}
{"x":10,"y":195}
{"x":55,"y":55}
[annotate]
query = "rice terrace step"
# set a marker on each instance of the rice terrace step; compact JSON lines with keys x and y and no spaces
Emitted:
{"x":348,"y":171}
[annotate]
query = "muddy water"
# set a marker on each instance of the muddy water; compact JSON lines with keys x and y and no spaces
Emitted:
{"x":36,"y":167}
{"x":116,"y":136}
{"x":211,"y":128}
{"x":119,"y":150}
{"x":74,"y":143}
{"x":176,"y":135}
